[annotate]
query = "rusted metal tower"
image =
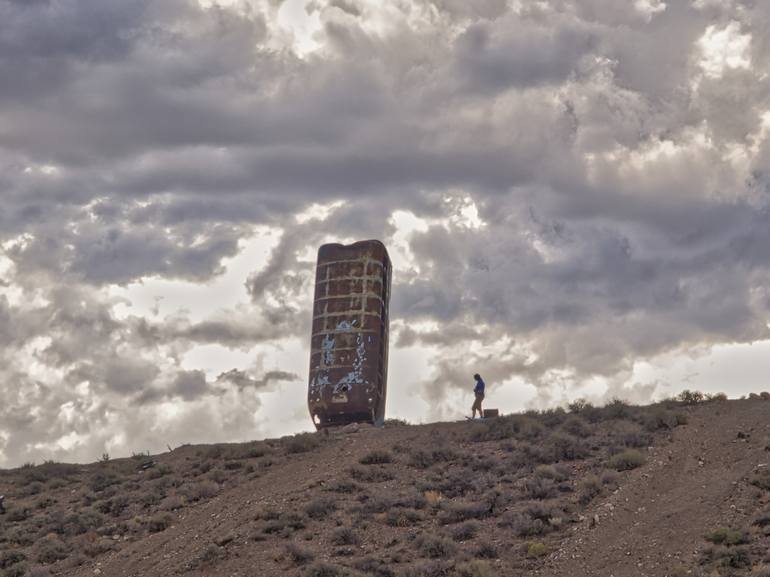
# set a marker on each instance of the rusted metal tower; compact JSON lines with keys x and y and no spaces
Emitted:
{"x":349,"y":344}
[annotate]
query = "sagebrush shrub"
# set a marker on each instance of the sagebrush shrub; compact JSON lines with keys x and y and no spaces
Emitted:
{"x":690,"y":397}
{"x":301,"y":443}
{"x":8,"y":558}
{"x":626,"y":460}
{"x":485,"y":550}
{"x":159,"y":522}
{"x":371,"y":474}
{"x":403,"y":517}
{"x":523,"y":525}
{"x":566,"y":447}
{"x":728,"y":537}
{"x":465,"y":531}
{"x":536,"y":550}
{"x":540,"y":488}
{"x":590,"y":487}
{"x":376,"y":458}
{"x":51,"y":549}
{"x":344,"y":536}
{"x":435,"y":546}
{"x":320,"y":507}
{"x":298,"y":554}
{"x":575,"y":425}
{"x":452,"y":512}
{"x":343,"y":486}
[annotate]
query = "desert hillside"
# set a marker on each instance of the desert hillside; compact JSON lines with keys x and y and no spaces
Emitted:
{"x":678,"y":488}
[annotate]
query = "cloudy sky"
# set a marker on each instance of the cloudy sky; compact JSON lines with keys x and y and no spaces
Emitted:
{"x":575,"y":194}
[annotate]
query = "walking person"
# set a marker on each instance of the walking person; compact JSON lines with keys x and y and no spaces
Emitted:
{"x":478,"y":390}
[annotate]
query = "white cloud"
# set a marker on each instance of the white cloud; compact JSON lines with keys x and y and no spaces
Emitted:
{"x":650,"y":8}
{"x":724,"y":49}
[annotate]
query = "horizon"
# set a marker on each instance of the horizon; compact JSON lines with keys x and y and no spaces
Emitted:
{"x":686,"y":398}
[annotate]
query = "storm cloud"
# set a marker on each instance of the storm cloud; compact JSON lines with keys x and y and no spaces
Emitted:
{"x":585,"y":185}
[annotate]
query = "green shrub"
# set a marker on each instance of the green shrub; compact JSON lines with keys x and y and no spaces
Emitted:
{"x":565,"y":447}
{"x":465,"y":532}
{"x":217,"y":475}
{"x":18,"y":514}
{"x":733,"y":557}
{"x":626,"y":460}
{"x":207,"y":557}
{"x":424,"y":459}
{"x":371,"y":474}
{"x":540,"y":488}
{"x":343,"y":486}
{"x":549,"y":417}
{"x":403,"y":517}
{"x":301,"y":443}
{"x":253,"y":450}
{"x":519,"y":426}
{"x":159,"y":522}
{"x":617,"y":409}
{"x":396,"y":423}
{"x":579,"y":405}
{"x":376,"y":458}
{"x":590,"y":487}
{"x":523,"y":525}
{"x":23,"y":535}
{"x":536,"y":550}
{"x":8,"y":558}
{"x":320,"y":507}
{"x":555,"y":473}
{"x":690,"y":397}
{"x":727,"y":537}
{"x":159,"y":471}
{"x":283,"y":523}
{"x":660,"y":418}
{"x":102,"y":480}
{"x":452,"y":512}
{"x":485,"y":550}
{"x":435,"y":546}
{"x":48,"y":471}
{"x":51,"y":549}
{"x":576,"y":426}
{"x":201,"y":490}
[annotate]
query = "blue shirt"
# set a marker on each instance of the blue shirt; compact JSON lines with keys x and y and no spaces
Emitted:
{"x":479,"y":388}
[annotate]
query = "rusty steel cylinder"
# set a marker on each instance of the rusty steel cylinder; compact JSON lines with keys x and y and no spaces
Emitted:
{"x":349,"y":343}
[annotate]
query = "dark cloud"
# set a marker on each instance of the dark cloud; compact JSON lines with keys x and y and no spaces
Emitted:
{"x":243,"y":380}
{"x":621,"y":191}
{"x":514,"y":51}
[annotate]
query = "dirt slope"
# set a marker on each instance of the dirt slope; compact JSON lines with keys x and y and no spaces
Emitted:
{"x":655,"y":522}
{"x":534,"y":494}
